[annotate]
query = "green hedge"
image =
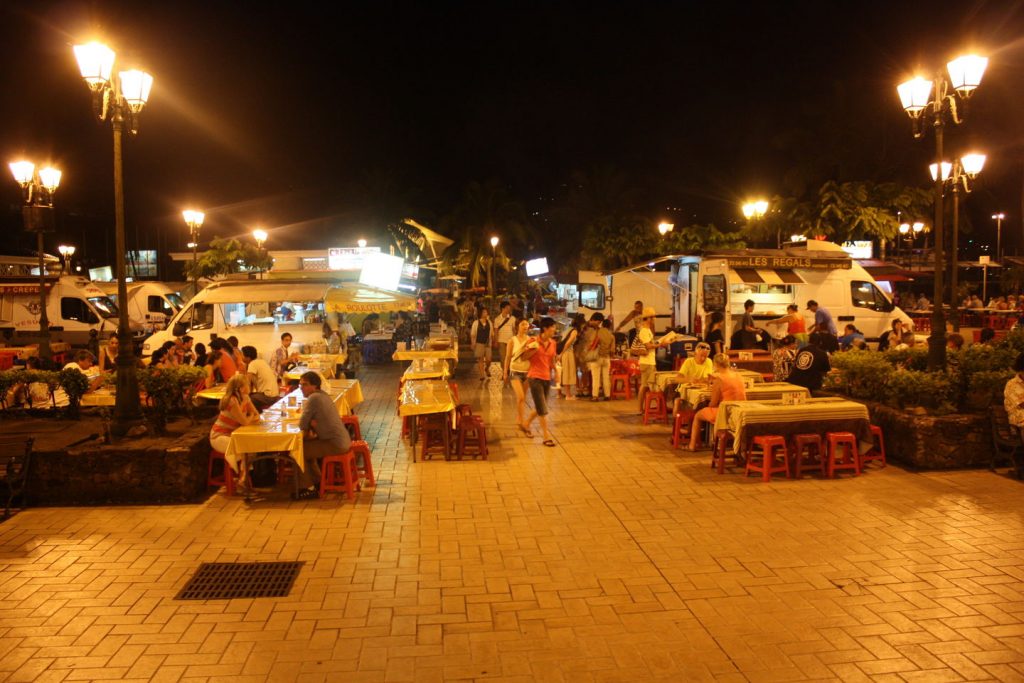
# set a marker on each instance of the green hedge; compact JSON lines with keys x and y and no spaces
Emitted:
{"x":973,"y":380}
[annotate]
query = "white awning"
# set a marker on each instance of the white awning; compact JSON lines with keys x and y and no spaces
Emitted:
{"x":263,"y":290}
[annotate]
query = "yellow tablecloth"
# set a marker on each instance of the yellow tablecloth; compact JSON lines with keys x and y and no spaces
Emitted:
{"x":746,"y":419}
{"x":427,"y":368}
{"x":765,"y":391}
{"x":425,"y":396}
{"x":447,"y":354}
{"x":324,"y":362}
{"x":279,"y":431}
{"x":347,"y":390}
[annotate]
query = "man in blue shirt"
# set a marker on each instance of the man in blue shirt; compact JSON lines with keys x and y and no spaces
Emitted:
{"x":822,"y":319}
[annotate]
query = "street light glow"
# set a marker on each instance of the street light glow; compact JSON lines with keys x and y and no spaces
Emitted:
{"x":135,"y":87}
{"x":193,"y":219}
{"x":918,"y":226}
{"x":914,"y":95}
{"x":972,"y":163}
{"x":904,"y":228}
{"x":965,"y":73}
{"x":946,"y":168}
{"x":96,"y":63}
{"x":665,"y":228}
{"x":755,"y":209}
{"x":998,"y":216}
{"x":50,"y":178}
{"x":260,"y":236}
{"x":23,"y":171}
{"x":494,"y":242}
{"x":361,"y":243}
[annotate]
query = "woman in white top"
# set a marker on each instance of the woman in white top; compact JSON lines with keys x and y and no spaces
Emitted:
{"x":516,"y":367}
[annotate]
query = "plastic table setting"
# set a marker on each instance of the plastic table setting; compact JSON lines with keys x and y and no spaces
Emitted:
{"x":664,"y":378}
{"x":344,"y":392}
{"x":426,"y":397}
{"x":694,"y":395}
{"x":427,"y":368}
{"x":438,"y":354}
{"x":104,"y":397}
{"x":747,"y":419}
{"x":278,"y":433}
{"x":325,"y":362}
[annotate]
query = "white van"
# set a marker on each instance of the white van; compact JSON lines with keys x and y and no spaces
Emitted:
{"x":150,"y":304}
{"x":682,"y":289}
{"x":74,"y":307}
{"x":258,"y":312}
{"x":773,"y":279}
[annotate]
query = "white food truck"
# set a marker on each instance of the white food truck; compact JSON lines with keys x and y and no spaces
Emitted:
{"x":258,"y":312}
{"x":684,"y":288}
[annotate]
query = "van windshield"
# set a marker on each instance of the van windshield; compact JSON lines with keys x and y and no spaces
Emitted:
{"x":273,"y":313}
{"x":175,"y":300}
{"x":104,"y":305}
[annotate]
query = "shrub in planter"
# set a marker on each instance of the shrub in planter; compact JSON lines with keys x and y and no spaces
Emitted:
{"x":169,"y":389}
{"x":909,"y":359}
{"x":985,"y":389}
{"x":75,"y":384}
{"x":930,"y":390}
{"x":859,"y":374}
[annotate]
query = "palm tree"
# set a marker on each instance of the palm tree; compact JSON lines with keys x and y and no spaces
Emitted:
{"x":487,"y":210}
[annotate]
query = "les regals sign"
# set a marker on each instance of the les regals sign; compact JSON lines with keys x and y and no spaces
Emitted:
{"x":801,"y":262}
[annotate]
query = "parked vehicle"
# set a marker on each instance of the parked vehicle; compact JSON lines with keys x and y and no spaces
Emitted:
{"x":258,"y":312}
{"x":150,"y":304}
{"x":684,"y":288}
{"x":74,"y":307}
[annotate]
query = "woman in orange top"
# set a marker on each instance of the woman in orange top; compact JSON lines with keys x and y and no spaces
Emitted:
{"x":235,"y":410}
{"x":726,"y":385}
{"x":795,"y":324}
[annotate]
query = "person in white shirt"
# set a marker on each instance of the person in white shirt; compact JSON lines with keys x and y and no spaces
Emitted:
{"x":645,"y":348}
{"x":1013,"y":394}
{"x":504,"y":329}
{"x":262,"y":379}
{"x":86,"y":364}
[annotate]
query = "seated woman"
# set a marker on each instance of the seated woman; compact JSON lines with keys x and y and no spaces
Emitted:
{"x":726,"y":385}
{"x":782,"y":358}
{"x":850,"y":333}
{"x":220,"y":364}
{"x":236,"y":410}
{"x":108,"y":356}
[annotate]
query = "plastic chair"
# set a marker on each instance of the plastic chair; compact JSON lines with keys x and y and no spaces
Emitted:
{"x":764,"y":460}
{"x":654,"y":407}
{"x":682,"y":419}
{"x":877,"y":450}
{"x":720,"y":452}
{"x":807,"y":455}
{"x":227,"y":476}
{"x":842,"y":453}
{"x":338,"y":473}
{"x":472,"y":437}
{"x":351,"y":423}
{"x":621,"y":386}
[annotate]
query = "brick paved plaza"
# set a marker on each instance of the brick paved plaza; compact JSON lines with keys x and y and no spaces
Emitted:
{"x":608,"y":558}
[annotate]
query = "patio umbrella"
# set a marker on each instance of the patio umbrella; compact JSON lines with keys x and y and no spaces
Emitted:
{"x":355,"y":298}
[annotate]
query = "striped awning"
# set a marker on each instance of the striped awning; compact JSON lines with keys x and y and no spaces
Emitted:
{"x":751,"y":276}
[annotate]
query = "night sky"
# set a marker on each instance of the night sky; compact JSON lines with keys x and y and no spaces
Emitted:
{"x":277,"y":117}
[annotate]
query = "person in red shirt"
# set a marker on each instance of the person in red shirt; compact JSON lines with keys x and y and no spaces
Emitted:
{"x":540,"y":351}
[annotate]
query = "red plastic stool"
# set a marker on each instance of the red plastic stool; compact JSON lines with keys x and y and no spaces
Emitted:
{"x":338,"y":473}
{"x":621,"y":387}
{"x":877,"y":451}
{"x":226,"y":478}
{"x":353,"y":422}
{"x":764,"y":461}
{"x":682,"y":419}
{"x":434,"y":430}
{"x":455,"y":391}
{"x":472,"y":437}
{"x":654,"y":407}
{"x":720,"y":452}
{"x":808,"y":454}
{"x":360,"y":447}
{"x":842,"y":453}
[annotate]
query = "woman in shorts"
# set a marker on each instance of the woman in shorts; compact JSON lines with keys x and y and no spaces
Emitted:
{"x":480,"y":333}
{"x":516,"y":367}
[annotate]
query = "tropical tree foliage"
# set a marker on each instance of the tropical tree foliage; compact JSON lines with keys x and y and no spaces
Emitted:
{"x":608,"y":247}
{"x":487,"y":210}
{"x":227,"y":256}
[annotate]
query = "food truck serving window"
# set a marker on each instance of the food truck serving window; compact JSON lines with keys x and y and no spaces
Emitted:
{"x":866,"y":295}
{"x":591,"y":296}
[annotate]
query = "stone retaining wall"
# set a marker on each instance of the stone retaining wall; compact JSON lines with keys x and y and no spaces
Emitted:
{"x":171,"y":472}
{"x":928,"y":442}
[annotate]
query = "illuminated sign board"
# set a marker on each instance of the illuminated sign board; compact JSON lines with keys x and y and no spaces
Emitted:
{"x":859,"y":249}
{"x":382,"y":271}
{"x":801,"y":262}
{"x":349,"y":258}
{"x":536,"y":267}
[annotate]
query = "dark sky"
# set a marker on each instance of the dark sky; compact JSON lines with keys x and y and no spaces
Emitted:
{"x":272,"y":116}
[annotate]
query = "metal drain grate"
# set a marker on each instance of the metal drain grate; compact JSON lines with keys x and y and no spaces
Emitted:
{"x":227,"y":580}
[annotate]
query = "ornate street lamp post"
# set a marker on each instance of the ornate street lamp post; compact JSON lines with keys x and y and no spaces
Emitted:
{"x":118,"y":100}
{"x":194,"y":221}
{"x":494,"y":254}
{"x":754,"y":211}
{"x":66,"y":252}
{"x":958,"y":175}
{"x":940,"y":100}
{"x":998,"y":218}
{"x":37,"y":213}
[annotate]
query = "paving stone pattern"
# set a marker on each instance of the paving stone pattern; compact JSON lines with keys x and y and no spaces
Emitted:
{"x":608,"y":558}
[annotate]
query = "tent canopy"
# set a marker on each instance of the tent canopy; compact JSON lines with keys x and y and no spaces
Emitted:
{"x":356,"y":298}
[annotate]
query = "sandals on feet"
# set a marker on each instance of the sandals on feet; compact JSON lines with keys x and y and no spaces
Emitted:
{"x":525,"y":430}
{"x":306,"y":494}
{"x":550,"y":443}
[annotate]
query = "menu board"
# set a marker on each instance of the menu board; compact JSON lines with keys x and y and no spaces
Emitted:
{"x":714,"y":293}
